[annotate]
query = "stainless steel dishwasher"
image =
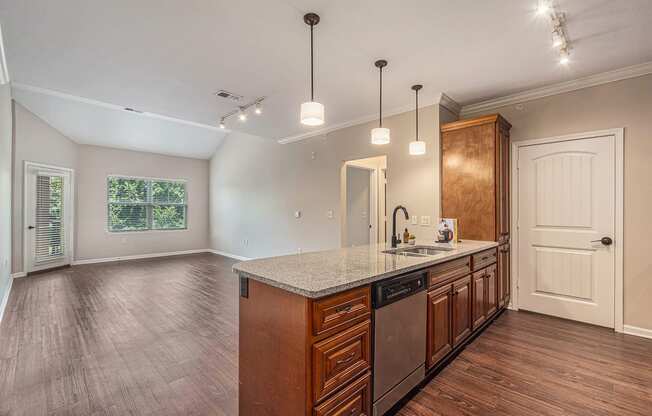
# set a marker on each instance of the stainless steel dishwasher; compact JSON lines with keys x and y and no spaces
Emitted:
{"x":399,"y":338}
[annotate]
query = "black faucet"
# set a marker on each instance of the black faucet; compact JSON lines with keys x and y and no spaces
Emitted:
{"x":395,"y":239}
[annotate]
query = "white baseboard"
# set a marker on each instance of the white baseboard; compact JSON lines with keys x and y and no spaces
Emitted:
{"x":5,"y":300}
{"x":140,"y":256}
{"x":639,"y":332}
{"x":18,"y":275}
{"x":229,"y":255}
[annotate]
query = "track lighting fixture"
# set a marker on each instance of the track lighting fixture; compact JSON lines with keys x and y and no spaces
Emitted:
{"x":312,"y":112}
{"x":241,"y":111}
{"x":417,"y":147}
{"x":380,"y":135}
{"x":558,"y":20}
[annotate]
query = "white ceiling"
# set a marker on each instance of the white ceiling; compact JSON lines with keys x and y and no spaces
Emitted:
{"x":169,"y":56}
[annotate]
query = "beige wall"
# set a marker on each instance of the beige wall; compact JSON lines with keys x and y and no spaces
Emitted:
{"x":625,"y":104}
{"x":6,"y":129}
{"x":34,"y":141}
{"x":258,"y":184}
{"x":93,"y":241}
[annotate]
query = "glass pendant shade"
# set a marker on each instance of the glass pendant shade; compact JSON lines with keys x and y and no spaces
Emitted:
{"x":379,"y":135}
{"x":417,"y":148}
{"x":312,"y":113}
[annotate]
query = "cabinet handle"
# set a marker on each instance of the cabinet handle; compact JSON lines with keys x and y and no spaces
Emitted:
{"x":346,"y":360}
{"x":344,"y":309}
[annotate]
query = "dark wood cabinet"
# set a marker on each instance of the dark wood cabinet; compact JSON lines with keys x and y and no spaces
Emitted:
{"x":491,"y":288}
{"x":475,"y":187}
{"x":503,"y":278}
{"x":439,"y":324}
{"x":475,"y":177}
{"x":461,"y":326}
{"x":479,"y":299}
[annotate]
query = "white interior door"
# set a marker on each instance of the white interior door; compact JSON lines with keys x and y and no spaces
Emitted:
{"x":358,"y":206}
{"x":48,"y":217}
{"x":566,"y":205}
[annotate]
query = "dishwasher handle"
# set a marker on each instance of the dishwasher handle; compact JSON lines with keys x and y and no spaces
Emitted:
{"x":393,"y":290}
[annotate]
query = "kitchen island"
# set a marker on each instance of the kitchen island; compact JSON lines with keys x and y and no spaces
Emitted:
{"x":307,"y":323}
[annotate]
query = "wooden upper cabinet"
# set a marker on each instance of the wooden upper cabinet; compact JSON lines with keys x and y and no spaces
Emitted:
{"x":475,"y":177}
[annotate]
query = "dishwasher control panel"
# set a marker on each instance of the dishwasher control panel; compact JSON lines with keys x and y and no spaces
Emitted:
{"x":392,"y":290}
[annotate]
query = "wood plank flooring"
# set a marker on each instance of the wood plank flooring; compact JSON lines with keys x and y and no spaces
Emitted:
{"x":159,"y":337}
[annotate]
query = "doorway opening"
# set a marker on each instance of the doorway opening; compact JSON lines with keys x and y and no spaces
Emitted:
{"x":363,"y":201}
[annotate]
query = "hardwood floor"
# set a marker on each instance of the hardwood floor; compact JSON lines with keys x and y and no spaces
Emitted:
{"x":147,"y":337}
{"x":529,"y":364}
{"x":159,"y":337}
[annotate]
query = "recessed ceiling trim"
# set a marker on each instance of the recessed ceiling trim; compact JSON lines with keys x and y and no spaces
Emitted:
{"x":559,"y":88}
{"x":4,"y":71}
{"x":442,"y":99}
{"x":45,"y":91}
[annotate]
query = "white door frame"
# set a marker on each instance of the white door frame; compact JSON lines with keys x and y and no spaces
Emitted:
{"x":619,"y":135}
{"x":27,"y":210}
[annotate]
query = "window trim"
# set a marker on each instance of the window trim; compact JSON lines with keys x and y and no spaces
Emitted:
{"x":146,"y":204}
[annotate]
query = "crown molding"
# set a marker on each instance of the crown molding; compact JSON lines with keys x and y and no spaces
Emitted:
{"x":4,"y":71}
{"x":559,"y":88}
{"x":70,"y":97}
{"x":442,"y":99}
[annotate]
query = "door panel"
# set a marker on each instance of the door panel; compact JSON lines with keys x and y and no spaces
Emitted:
{"x":439,"y":324}
{"x":491,"y":288}
{"x":479,"y":298}
{"x":48,"y":218}
{"x":461,"y":310}
{"x":566,"y":201}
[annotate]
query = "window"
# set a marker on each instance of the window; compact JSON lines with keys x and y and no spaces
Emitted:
{"x":137,"y":204}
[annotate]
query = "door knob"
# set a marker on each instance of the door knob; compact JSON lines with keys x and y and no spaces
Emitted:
{"x":607,"y":241}
{"x":31,"y":227}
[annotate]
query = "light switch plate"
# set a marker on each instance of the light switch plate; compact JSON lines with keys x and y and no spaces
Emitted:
{"x":329,"y":214}
{"x":415,"y":220}
{"x":425,"y":220}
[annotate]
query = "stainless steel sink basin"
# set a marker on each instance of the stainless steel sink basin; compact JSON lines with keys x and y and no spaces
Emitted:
{"x":417,"y":251}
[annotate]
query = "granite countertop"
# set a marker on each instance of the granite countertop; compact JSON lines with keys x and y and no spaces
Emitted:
{"x":323,"y":273}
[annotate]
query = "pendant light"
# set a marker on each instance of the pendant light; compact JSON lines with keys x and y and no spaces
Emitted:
{"x":380,"y":135}
{"x":417,"y":147}
{"x":312,"y":113}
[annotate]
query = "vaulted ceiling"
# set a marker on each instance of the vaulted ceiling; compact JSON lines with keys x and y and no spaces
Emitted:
{"x":168,"y":57}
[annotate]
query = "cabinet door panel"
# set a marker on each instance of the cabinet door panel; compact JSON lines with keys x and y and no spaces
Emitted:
{"x":479,"y":298}
{"x":491,"y":295}
{"x":439,"y":324}
{"x":461,"y":310}
{"x":503,"y":278}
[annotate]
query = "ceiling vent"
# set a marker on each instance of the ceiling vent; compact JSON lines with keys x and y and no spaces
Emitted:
{"x":228,"y":95}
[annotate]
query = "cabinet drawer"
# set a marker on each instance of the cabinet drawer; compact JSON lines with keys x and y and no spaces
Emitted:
{"x":340,"y":311}
{"x":341,"y":358}
{"x":355,"y":400}
{"x":450,"y":270}
{"x":483,"y":259}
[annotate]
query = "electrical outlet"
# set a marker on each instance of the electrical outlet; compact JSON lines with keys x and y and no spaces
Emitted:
{"x":245,"y":242}
{"x":415,"y":220}
{"x":330,"y":214}
{"x":425,"y":220}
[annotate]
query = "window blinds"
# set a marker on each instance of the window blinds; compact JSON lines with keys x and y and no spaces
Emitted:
{"x":49,"y":219}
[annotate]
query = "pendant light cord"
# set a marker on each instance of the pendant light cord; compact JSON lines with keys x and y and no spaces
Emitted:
{"x":417,"y":111}
{"x":312,"y":69}
{"x":380,"y":122}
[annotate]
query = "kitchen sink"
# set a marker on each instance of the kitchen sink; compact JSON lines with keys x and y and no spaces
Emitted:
{"x":417,"y":251}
